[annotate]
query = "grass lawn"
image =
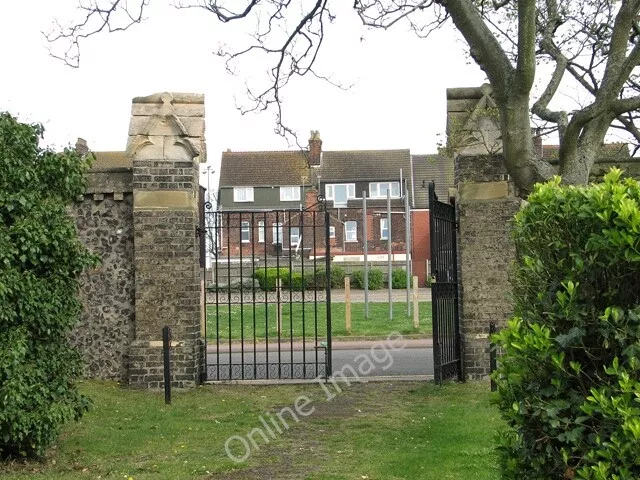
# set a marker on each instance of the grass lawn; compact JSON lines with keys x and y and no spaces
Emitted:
{"x":368,"y":431}
{"x":378,"y":323}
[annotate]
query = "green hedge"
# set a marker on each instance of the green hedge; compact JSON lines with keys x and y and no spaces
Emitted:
{"x":267,"y":277}
{"x":569,"y":379}
{"x":376,"y":279}
{"x":41,"y":260}
{"x":399,"y":278}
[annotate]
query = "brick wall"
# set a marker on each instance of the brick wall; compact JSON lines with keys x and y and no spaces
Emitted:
{"x":486,"y":205}
{"x":106,"y":329}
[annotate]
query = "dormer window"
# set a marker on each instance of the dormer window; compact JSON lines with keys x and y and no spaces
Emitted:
{"x":380,"y":189}
{"x":289,"y":194}
{"x":243,"y":194}
{"x":340,"y":193}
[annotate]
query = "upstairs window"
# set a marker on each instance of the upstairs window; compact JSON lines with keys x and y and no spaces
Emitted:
{"x":350,"y":231}
{"x":243,"y":194}
{"x":384,"y":229}
{"x":245,"y":233}
{"x":380,"y":189}
{"x":332,"y":232}
{"x":277,"y":233}
{"x":294,"y":236}
{"x":340,"y":192}
{"x":289,"y":194}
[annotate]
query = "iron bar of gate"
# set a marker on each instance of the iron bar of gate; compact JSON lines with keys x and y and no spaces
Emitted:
{"x":253,"y":288}
{"x":407,"y":244}
{"x":493,"y":361}
{"x":229,"y":290}
{"x":300,"y":249}
{"x":315,"y":288}
{"x":278,"y":234}
{"x":290,"y":293}
{"x":389,"y":254}
{"x":266,"y":299}
{"x":365,"y":241}
{"x":217,"y":258}
{"x":327,"y":260}
{"x":166,"y":345}
{"x":241,"y":247}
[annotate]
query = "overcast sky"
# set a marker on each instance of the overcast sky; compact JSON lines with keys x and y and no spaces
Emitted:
{"x":397,"y":100}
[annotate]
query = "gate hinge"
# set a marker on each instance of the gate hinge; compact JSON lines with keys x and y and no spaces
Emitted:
{"x":199,"y":231}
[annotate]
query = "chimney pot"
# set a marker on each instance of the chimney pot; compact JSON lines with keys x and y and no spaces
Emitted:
{"x":315,"y":148}
{"x":81,"y":147}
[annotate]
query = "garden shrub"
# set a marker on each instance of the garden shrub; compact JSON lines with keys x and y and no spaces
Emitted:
{"x":569,"y":378}
{"x":337,"y":276}
{"x":399,"y":278}
{"x":41,"y":259}
{"x":318,"y":279}
{"x":267,"y":277}
{"x":376,"y":279}
{"x":294,"y":282}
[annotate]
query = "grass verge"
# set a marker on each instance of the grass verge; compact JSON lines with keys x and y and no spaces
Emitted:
{"x":368,"y":431}
{"x":240,"y":320}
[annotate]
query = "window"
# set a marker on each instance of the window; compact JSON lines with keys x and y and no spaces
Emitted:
{"x":294,"y":235}
{"x":332,"y":232}
{"x":243,"y":194}
{"x":379,"y":189}
{"x":289,"y":194}
{"x":350,"y":231}
{"x":245,"y":233}
{"x":277,"y":233}
{"x":261,"y":231}
{"x":384,"y":229}
{"x":340,"y":192}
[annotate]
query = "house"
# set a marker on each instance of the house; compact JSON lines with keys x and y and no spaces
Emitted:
{"x":344,"y":177}
{"x":259,"y":193}
{"x":266,"y":197}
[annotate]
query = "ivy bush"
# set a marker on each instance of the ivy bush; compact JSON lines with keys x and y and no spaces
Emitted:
{"x":376,"y":279}
{"x":41,"y":260}
{"x":569,"y":378}
{"x":267,"y":277}
{"x":318,"y":279}
{"x":398,"y":278}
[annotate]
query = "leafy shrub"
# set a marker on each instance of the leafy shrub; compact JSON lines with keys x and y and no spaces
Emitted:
{"x":294,"y":282}
{"x":318,"y":279}
{"x":41,"y":260}
{"x":376,"y":279}
{"x":569,"y":377}
{"x":399,"y":278}
{"x":267,"y":277}
{"x":337,"y":276}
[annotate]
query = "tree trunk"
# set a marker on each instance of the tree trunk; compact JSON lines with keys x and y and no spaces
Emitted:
{"x":521,"y":161}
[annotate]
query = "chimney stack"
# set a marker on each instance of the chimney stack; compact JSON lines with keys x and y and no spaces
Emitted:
{"x":315,"y":148}
{"x":537,"y":142}
{"x":81,"y":147}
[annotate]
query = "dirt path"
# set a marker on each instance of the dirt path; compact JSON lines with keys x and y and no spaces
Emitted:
{"x":304,"y":449}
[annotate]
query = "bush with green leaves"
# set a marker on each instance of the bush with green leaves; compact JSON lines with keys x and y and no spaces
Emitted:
{"x":267,"y":277}
{"x":337,"y":276}
{"x":569,"y":378}
{"x":376,"y":279}
{"x":41,"y":259}
{"x":398,"y":278}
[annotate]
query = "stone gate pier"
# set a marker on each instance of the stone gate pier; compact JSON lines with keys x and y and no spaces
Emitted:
{"x":140,"y":214}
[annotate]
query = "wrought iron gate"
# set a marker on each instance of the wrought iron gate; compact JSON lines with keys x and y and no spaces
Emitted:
{"x":444,"y":291}
{"x":268,"y":294}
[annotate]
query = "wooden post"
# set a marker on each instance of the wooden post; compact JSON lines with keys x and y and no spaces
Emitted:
{"x":347,"y":304}
{"x":279,"y":305}
{"x":416,"y":313}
